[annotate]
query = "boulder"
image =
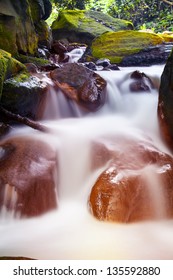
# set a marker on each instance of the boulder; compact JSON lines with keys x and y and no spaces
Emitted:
{"x":28,"y":170}
{"x":128,"y":48}
{"x":165,"y":106}
{"x":17,"y":27}
{"x":40,"y":9}
{"x":25,"y":95}
{"x":83,"y":26}
{"x":20,"y":25}
{"x":135,"y":186}
{"x":8,"y":67}
{"x":80,"y":84}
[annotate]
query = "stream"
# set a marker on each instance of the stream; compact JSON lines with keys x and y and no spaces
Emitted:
{"x":71,"y":231}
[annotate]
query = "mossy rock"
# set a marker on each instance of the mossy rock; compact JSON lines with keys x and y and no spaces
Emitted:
{"x":167,"y":38}
{"x":16,"y":27}
{"x":44,"y":34}
{"x":31,"y":59}
{"x":8,"y":33}
{"x":24,"y":94}
{"x":8,"y":67}
{"x":117,"y":45}
{"x":83,"y":26}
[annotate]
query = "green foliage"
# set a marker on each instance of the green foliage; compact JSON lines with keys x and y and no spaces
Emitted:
{"x":154,"y":14}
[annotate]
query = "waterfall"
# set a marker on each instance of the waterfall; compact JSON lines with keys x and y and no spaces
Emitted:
{"x":70,"y":231}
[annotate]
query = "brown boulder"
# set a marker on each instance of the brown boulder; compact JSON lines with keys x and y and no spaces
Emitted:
{"x":136,"y":185}
{"x":80,"y":84}
{"x":27,"y":176}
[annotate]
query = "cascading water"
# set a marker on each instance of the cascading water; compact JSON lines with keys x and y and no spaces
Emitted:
{"x":71,"y":232}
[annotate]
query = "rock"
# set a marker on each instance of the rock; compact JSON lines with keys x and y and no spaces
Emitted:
{"x":4,"y":129}
{"x":44,"y":34}
{"x":136,"y":185}
{"x":18,"y":32}
{"x":40,"y":10}
{"x":24,"y":95}
{"x":165,"y":105}
{"x":120,"y":46}
{"x":21,"y":25}
{"x":8,"y":67}
{"x":103,"y":62}
{"x":141,"y":83}
{"x":27,"y":176}
{"x":83,"y":26}
{"x":80,"y":84}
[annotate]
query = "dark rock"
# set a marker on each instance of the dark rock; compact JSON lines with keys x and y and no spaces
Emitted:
{"x":81,"y":85}
{"x":165,"y":112}
{"x":90,"y":65}
{"x":150,"y":56}
{"x":141,"y":82}
{"x":103,"y":62}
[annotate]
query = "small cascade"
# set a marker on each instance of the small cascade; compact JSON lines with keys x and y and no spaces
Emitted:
{"x":87,"y":144}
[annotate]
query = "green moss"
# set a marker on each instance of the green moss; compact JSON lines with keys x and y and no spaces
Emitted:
{"x":69,"y":19}
{"x":84,"y":26}
{"x":8,"y":67}
{"x":8,"y":33}
{"x":30,"y":59}
{"x":117,"y":45}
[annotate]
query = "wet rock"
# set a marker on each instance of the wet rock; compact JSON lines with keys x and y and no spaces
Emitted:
{"x":141,"y":82}
{"x":25,"y":95}
{"x":103,"y":62}
{"x":28,"y":168}
{"x":90,"y":65}
{"x":135,"y":186}
{"x":81,"y":85}
{"x":165,"y":105}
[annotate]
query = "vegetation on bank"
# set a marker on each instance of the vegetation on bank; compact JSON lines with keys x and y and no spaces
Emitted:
{"x":153,"y":14}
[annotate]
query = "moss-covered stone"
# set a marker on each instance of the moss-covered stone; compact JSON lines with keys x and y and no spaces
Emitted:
{"x":8,"y":67}
{"x":17,"y":28}
{"x":84,"y":26}
{"x":117,"y":45}
{"x":44,"y":34}
{"x":24,"y":94}
{"x":31,"y":59}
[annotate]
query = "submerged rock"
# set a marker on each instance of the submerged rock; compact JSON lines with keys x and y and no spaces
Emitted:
{"x":165,"y":106}
{"x":84,"y":26}
{"x":141,"y":82}
{"x":135,"y":186}
{"x":81,"y":84}
{"x":28,"y":169}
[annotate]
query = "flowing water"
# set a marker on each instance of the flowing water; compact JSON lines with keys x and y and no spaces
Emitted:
{"x":71,"y":232}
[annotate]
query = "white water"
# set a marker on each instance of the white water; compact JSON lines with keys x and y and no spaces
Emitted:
{"x":71,"y":232}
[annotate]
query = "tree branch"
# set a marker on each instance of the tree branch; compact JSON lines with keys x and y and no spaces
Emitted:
{"x":168,"y":2}
{"x":23,"y":120}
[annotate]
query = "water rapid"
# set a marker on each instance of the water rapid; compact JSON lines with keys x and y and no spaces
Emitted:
{"x":71,"y":232}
